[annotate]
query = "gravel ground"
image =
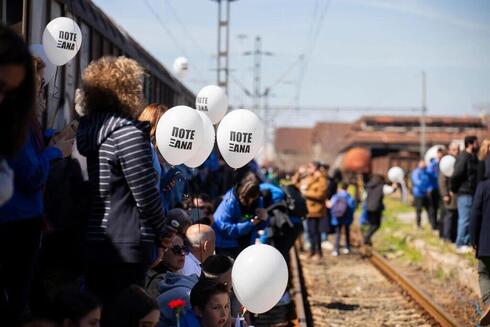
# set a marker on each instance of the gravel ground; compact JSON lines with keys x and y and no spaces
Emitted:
{"x":349,"y":291}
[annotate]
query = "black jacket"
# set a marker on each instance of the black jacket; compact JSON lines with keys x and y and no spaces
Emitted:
{"x":465,"y":179}
{"x":480,"y":216}
{"x":126,"y":214}
{"x":374,"y":200}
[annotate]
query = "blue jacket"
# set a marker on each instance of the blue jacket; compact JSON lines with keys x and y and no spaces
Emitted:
{"x":351,"y":207}
{"x":189,"y":319}
{"x":173,"y":287}
{"x":420,"y":183}
{"x":433,"y":171}
{"x":31,"y":169}
{"x":228,"y":224}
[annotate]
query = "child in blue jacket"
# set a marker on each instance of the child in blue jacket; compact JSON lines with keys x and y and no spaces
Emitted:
{"x":342,"y":207}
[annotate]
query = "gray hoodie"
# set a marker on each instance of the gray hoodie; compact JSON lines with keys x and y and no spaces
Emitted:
{"x":174,"y":287}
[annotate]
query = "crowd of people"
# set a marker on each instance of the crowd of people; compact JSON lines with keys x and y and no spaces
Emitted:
{"x":97,"y":229}
{"x":448,"y":200}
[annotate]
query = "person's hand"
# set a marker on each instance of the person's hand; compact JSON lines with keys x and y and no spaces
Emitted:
{"x":65,"y":146}
{"x":261,"y":214}
{"x":447,"y":199}
{"x":328,"y":204}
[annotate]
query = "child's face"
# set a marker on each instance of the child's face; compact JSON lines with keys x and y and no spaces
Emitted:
{"x":217,"y":311}
{"x":92,"y":319}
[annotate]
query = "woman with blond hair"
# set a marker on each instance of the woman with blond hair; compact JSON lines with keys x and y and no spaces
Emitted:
{"x":482,"y":156}
{"x":126,"y":218}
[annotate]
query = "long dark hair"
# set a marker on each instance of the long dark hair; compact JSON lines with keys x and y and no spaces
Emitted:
{"x":18,"y":107}
{"x":132,"y":305}
{"x":73,"y":305}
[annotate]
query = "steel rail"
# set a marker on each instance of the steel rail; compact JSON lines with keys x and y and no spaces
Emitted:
{"x":298,"y":290}
{"x":432,"y":308}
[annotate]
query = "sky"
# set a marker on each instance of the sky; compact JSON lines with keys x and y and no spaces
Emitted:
{"x":356,"y":53}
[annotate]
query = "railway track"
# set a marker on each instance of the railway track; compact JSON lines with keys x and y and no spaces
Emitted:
{"x":352,"y":291}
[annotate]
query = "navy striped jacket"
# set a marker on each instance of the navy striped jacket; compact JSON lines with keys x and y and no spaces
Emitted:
{"x":126,"y":213}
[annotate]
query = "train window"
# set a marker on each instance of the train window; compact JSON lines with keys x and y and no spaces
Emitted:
{"x":85,"y":48}
{"x":106,"y":47}
{"x":11,"y":14}
{"x":96,"y":45}
{"x":116,"y":51}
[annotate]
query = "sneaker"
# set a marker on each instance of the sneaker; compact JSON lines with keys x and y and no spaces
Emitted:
{"x":345,"y":251}
{"x":327,"y":246}
{"x":464,"y":249}
{"x":335,"y":253}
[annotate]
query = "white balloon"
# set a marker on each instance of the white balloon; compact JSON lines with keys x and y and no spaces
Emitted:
{"x":207,"y":143}
{"x":49,"y":67}
{"x":446,"y":165}
{"x":240,"y":137}
{"x":259,"y":277}
{"x":396,"y":174}
{"x":388,"y":189}
{"x":62,"y":39}
{"x":213,"y":101}
{"x":181,"y":66}
{"x":432,"y":153}
{"x":179,"y":134}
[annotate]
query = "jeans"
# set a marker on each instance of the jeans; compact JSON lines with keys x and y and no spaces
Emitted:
{"x":484,"y":279}
{"x":314,"y":235}
{"x":374,"y":219}
{"x":450,"y":224}
{"x":338,"y":231}
{"x":464,"y":209}
{"x":421,"y":203}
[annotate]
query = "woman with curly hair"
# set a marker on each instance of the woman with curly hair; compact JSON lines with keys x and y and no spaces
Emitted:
{"x":126,"y":218}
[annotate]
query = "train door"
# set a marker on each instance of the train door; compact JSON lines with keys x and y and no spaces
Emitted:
{"x":13,"y":13}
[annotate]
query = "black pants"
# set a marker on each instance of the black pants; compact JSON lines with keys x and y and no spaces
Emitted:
{"x":338,"y":230}
{"x":484,"y":279}
{"x":314,"y":235}
{"x":108,"y":280}
{"x":285,"y":239}
{"x":19,"y":245}
{"x":450,"y":225}
{"x":425,"y":203}
{"x":435,"y":200}
{"x":374,"y":219}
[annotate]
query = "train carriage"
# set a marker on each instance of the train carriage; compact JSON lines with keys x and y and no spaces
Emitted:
{"x":101,"y":36}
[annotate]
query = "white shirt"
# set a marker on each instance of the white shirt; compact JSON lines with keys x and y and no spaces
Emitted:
{"x":191,"y":266}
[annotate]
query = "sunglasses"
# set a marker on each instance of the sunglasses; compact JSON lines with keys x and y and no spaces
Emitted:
{"x":179,"y":250}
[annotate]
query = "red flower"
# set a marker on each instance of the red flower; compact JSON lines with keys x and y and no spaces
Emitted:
{"x":176,"y":304}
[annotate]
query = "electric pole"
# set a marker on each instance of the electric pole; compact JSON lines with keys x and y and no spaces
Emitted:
{"x":257,"y":53}
{"x":223,"y":43}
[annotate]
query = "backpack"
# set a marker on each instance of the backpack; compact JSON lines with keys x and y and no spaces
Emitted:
{"x":295,"y":201}
{"x":339,"y":209}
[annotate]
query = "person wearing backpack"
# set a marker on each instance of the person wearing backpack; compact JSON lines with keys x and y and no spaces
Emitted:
{"x":374,"y":206}
{"x":342,"y":207}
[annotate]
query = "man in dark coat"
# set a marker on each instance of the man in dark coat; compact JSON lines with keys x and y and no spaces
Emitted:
{"x":463,"y":183}
{"x":480,"y":238}
{"x":374,"y":206}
